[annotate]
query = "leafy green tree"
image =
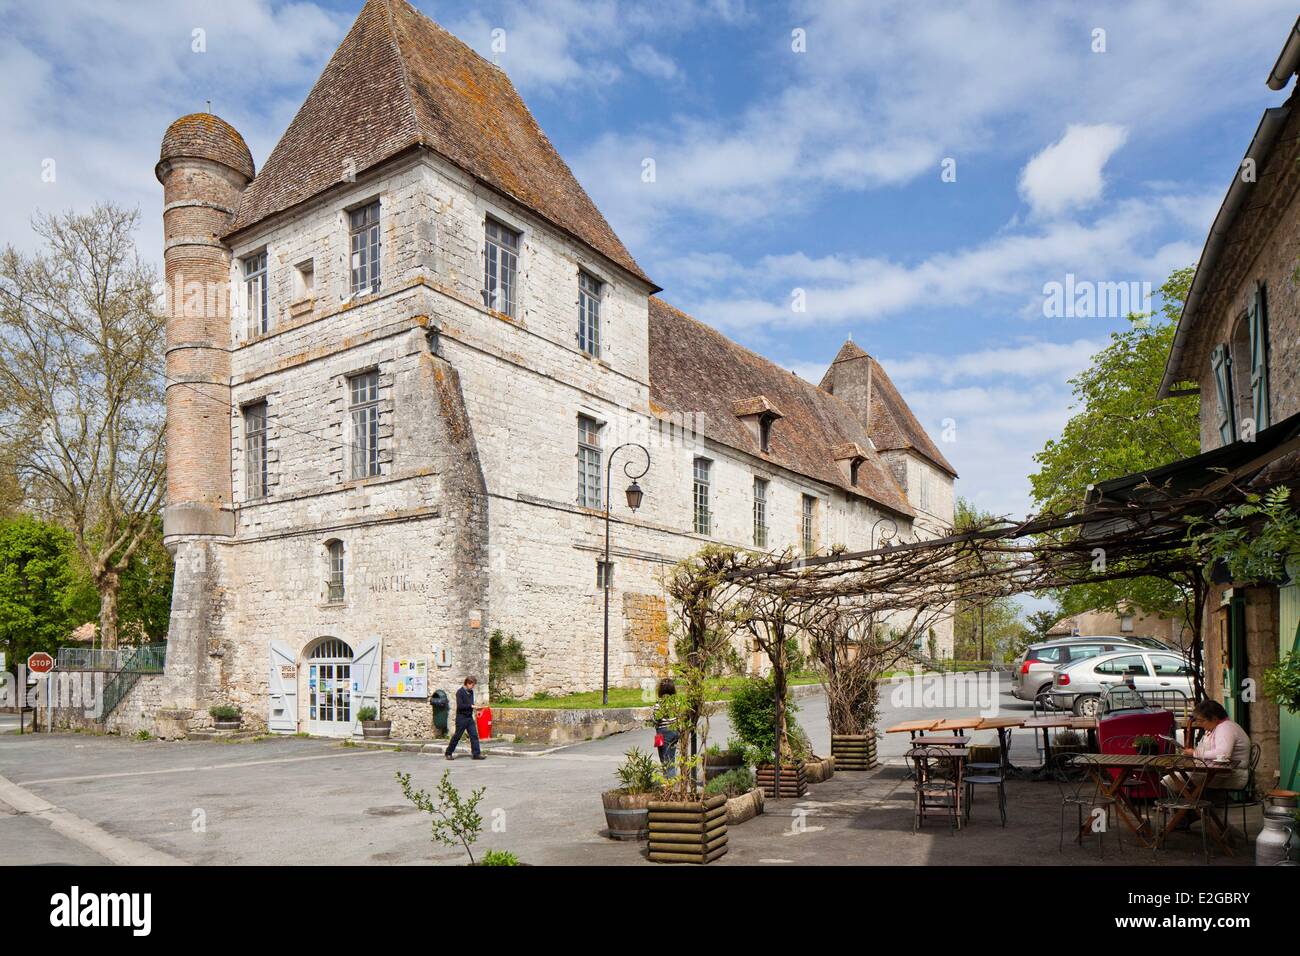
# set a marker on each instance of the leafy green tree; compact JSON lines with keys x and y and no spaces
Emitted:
{"x":988,"y":628}
{"x":1119,"y":428}
{"x":43,"y":594}
{"x":145,"y":599}
{"x":1040,"y":622}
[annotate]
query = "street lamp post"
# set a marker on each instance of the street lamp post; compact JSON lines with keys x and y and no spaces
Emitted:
{"x":634,"y":496}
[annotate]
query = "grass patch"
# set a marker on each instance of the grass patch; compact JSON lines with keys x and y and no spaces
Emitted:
{"x":719,"y":689}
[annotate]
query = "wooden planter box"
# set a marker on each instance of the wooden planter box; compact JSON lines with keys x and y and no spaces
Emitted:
{"x":819,"y":769}
{"x":744,"y":807}
{"x":688,"y":832}
{"x":853,"y":751}
{"x":227,"y":724}
{"x":376,"y":729}
{"x":794,"y":781}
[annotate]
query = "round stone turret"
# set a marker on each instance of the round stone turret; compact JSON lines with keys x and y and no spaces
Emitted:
{"x":204,"y":167}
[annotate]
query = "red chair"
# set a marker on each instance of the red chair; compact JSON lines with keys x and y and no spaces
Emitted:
{"x":1115,"y":735}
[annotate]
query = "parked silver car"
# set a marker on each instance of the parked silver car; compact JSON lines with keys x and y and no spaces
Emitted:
{"x":1079,"y":685}
{"x":1032,"y":674}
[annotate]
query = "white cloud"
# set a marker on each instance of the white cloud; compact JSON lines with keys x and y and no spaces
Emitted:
{"x":1067,"y":175}
{"x":646,"y":59}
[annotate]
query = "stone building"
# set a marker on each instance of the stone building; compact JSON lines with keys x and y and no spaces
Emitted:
{"x":1238,"y":346}
{"x":400,"y":357}
{"x":1126,"y":622}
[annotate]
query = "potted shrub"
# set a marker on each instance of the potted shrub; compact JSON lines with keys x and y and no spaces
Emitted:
{"x":719,"y":760}
{"x":752,"y":710}
{"x":372,"y":728}
{"x":744,"y":800}
{"x":225,"y":717}
{"x":627,"y":807}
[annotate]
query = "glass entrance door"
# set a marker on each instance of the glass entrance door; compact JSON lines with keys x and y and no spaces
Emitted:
{"x":329,"y":690}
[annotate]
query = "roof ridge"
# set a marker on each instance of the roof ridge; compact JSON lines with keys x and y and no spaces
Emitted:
{"x":401,"y":63}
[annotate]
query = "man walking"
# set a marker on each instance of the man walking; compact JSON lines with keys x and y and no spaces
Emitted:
{"x":465,"y":720}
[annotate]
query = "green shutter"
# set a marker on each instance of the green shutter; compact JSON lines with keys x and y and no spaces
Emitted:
{"x":1259,"y":357}
{"x":1221,"y":365}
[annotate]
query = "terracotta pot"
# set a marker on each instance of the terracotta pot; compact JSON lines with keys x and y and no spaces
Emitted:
{"x":626,"y":814}
{"x":688,"y":831}
{"x":376,"y":729}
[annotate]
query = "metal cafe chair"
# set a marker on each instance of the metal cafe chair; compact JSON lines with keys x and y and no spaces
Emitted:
{"x":1248,"y":796}
{"x":1183,"y":802}
{"x":936,"y":784}
{"x":1138,"y":782}
{"x":1080,"y":790}
{"x":982,"y":774}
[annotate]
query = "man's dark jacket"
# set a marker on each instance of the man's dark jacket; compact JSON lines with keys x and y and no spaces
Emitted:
{"x":464,"y":706}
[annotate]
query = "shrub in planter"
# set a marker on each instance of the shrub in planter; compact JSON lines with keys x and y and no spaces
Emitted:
{"x":1146,"y":745}
{"x":1068,"y":741}
{"x":225,"y":716}
{"x":720,"y":760}
{"x":499,"y":858}
{"x":744,"y":800}
{"x":627,"y":806}
{"x":372,"y":728}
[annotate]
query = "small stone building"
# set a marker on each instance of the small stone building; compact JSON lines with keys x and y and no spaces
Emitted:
{"x":402,"y":358}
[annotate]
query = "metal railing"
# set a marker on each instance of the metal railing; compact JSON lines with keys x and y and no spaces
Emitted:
{"x":145,"y":658}
{"x":134,"y":661}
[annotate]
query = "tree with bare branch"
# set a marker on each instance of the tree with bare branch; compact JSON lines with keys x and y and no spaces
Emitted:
{"x":81,"y":337}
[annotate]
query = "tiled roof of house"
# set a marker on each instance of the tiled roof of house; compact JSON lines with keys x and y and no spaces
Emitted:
{"x":892,"y":424}
{"x":399,"y":81}
{"x":694,"y":368}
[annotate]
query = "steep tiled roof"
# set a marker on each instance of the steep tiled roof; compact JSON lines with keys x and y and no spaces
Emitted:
{"x":398,"y":81}
{"x":694,"y":368}
{"x":892,"y":424}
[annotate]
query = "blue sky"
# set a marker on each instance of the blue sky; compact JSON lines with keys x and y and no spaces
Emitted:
{"x":775,"y":170}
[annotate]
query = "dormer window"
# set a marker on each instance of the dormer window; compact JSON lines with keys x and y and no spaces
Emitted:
{"x":758,"y":415}
{"x":765,"y":423}
{"x":849,"y":456}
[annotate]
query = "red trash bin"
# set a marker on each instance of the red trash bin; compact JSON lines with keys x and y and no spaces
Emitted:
{"x":484,"y":722}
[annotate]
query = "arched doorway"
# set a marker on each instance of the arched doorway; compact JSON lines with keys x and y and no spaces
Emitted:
{"x":329,"y":688}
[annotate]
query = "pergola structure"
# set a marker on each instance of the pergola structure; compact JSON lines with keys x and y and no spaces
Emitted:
{"x":1135,"y":526}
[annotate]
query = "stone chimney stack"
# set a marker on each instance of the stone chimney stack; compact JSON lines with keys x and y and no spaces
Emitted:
{"x":204,"y":168}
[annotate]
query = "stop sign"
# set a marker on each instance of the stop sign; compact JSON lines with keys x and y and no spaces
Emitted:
{"x":40,"y":663}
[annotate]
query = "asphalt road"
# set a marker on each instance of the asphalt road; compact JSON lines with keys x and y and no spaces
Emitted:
{"x":76,"y":799}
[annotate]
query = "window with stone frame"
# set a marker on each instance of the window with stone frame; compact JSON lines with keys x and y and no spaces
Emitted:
{"x":363,"y":421}
{"x":808,"y":524}
{"x":364,"y":244}
{"x":334,"y":587}
{"x":703,"y":515}
{"x":589,"y":289}
{"x":604,"y":574}
{"x":500,"y":267}
{"x":589,"y":462}
{"x":760,"y":512}
{"x":255,"y":451}
{"x":256,"y":299}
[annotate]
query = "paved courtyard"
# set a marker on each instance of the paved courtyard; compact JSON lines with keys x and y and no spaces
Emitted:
{"x":80,"y":799}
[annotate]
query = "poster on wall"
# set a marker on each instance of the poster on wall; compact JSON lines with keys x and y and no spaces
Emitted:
{"x":408,"y":677}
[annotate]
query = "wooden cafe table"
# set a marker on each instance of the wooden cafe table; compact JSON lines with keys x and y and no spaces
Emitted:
{"x":1177,"y":765}
{"x":912,"y":727}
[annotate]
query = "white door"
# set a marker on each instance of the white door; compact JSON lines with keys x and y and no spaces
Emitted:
{"x":366,"y":671}
{"x":283,"y":687}
{"x":329,"y":689}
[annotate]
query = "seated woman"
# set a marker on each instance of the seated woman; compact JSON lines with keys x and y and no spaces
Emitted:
{"x":1222,"y":742}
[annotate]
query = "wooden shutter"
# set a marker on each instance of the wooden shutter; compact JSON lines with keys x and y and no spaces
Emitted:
{"x":1221,"y":364}
{"x":366,"y":672}
{"x":1259,"y":358}
{"x":283,"y":687}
